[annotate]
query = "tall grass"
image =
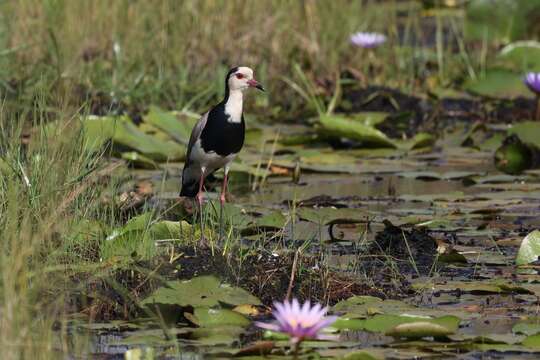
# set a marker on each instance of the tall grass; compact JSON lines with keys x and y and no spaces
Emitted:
{"x":167,"y":52}
{"x":43,"y":197}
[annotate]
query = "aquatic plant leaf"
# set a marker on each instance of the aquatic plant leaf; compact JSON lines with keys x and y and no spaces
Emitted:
{"x":530,"y":249}
{"x":256,"y":348}
{"x":527,"y":327}
{"x":131,"y":240}
{"x":166,"y":230}
{"x":362,"y":355}
{"x":363,"y":306}
{"x":522,"y":55}
{"x":434,"y":175}
{"x":389,"y":324}
{"x":476,"y":287}
{"x":340,"y":126}
{"x":532,"y":341}
{"x":418,"y":329}
{"x":527,"y":131}
{"x":139,"y":160}
{"x":274,"y":220}
{"x":146,"y":353}
{"x":125,"y":134}
{"x":369,"y":118}
{"x":329,"y":215}
{"x":209,"y":317}
{"x":97,"y":130}
{"x":178,"y":126}
{"x":421,"y":140}
{"x":498,"y":83}
{"x":202,"y":291}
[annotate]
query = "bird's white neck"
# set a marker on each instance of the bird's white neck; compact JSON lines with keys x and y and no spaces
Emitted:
{"x":233,"y":106}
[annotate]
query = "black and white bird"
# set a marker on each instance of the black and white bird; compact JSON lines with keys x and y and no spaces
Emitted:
{"x":217,"y":137}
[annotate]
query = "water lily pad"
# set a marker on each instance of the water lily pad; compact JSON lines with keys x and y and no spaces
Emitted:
{"x":125,"y":134}
{"x":272,"y":220}
{"x":498,"y":83}
{"x":419,"y":329}
{"x":328,"y":215}
{"x":340,"y":126}
{"x":532,"y":341}
{"x":389,"y":324}
{"x":178,"y":126}
{"x":139,"y":160}
{"x":474,"y":287}
{"x":523,"y":55}
{"x":369,"y":118}
{"x":527,"y":327}
{"x":362,"y":355}
{"x":203,"y":291}
{"x":208,"y":317}
{"x":527,"y":131}
{"x":529,"y":249}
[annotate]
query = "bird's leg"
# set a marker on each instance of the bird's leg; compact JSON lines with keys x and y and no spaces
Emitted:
{"x":200,"y":201}
{"x":222,"y":201}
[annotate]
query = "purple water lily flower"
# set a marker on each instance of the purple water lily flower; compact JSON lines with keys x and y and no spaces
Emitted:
{"x":367,"y":40}
{"x":532,"y":80}
{"x":300,"y":322}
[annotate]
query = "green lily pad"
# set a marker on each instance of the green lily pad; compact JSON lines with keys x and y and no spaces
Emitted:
{"x":532,"y":341}
{"x":527,"y":327}
{"x":139,"y":160}
{"x":529,"y":249}
{"x":419,"y":329}
{"x":272,"y":220}
{"x":527,"y":131}
{"x":389,"y":324}
{"x":523,"y":55}
{"x":177,"y":126}
{"x":97,"y":130}
{"x":202,"y":291}
{"x":125,"y":134}
{"x":498,"y":83}
{"x":340,"y":126}
{"x":328,"y":215}
{"x":216,"y":335}
{"x":369,"y":118}
{"x":209,"y":317}
{"x":361,"y":355}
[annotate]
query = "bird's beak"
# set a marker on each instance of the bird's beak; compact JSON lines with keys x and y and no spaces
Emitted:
{"x":254,"y":83}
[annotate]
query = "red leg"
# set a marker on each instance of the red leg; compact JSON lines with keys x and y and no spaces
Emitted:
{"x":200,"y":198}
{"x":222,"y":201}
{"x":224,"y":188}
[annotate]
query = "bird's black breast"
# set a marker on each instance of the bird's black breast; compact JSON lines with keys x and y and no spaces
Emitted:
{"x":221,"y":136}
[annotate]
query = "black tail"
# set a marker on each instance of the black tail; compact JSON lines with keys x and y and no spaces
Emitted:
{"x":189,"y":189}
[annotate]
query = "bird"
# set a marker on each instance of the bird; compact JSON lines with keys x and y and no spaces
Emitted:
{"x":216,"y":139}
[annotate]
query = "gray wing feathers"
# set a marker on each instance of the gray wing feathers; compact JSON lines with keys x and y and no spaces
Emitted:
{"x":196,"y":133}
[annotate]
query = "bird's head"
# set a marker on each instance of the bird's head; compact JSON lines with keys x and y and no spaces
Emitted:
{"x":241,"y":78}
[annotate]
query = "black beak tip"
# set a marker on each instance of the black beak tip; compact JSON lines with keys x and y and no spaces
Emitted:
{"x":260,"y":87}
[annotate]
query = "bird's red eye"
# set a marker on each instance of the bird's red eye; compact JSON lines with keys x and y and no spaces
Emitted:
{"x":239,"y":76}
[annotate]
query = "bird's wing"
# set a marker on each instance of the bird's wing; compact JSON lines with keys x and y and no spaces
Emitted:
{"x":196,"y":133}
